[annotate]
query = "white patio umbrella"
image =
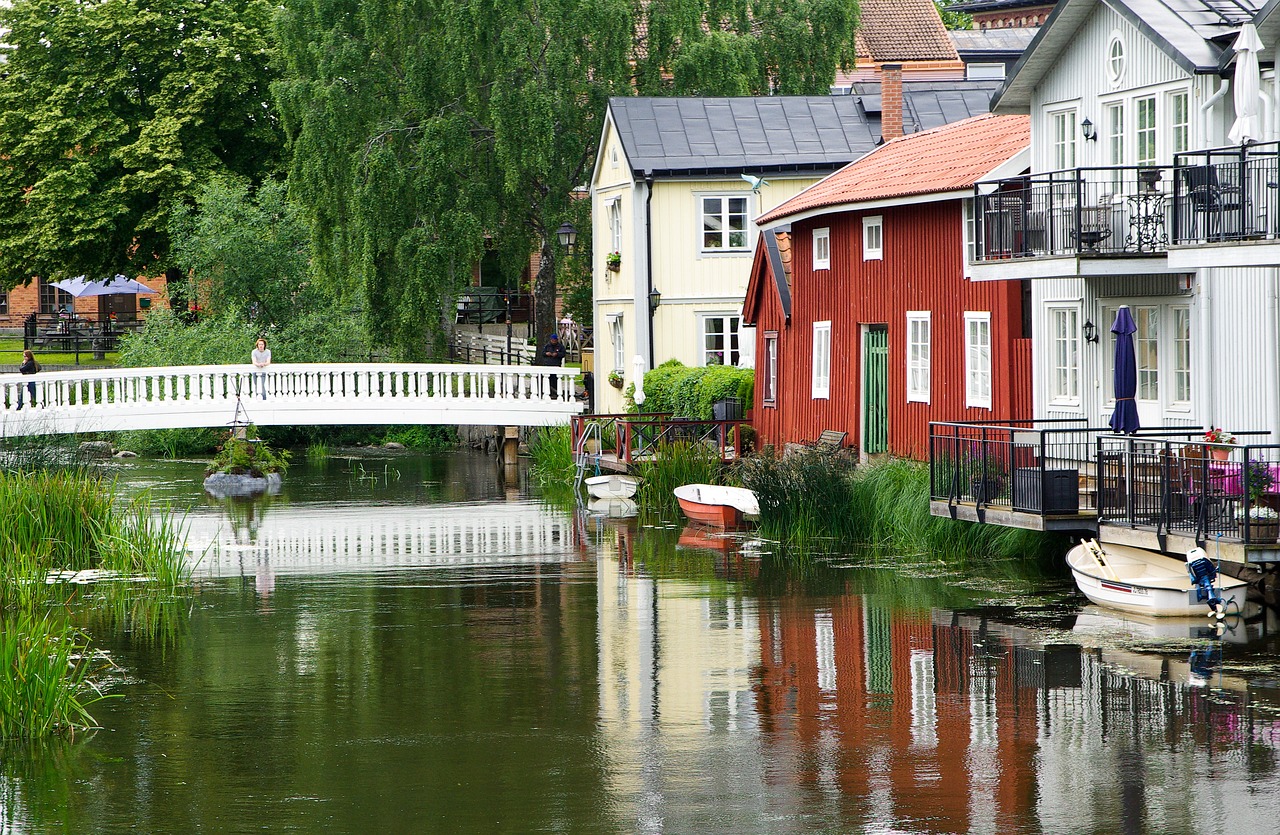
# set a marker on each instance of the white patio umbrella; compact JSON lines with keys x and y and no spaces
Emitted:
{"x":118,"y":285}
{"x":1247,"y":83}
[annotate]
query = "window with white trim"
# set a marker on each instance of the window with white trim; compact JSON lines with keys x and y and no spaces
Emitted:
{"x":1181,"y":356}
{"x":1115,"y":60}
{"x":1145,"y":119}
{"x":1064,"y":139}
{"x":619,"y":348}
{"x":721,"y":339}
{"x":822,"y":249}
{"x":977,"y":362}
{"x":1163,"y":347}
{"x":1179,"y":123}
{"x":919,"y":344}
{"x":615,"y":225}
{"x":822,"y":360}
{"x":770,"y":376}
{"x":873,"y":238}
{"x":970,"y":235}
{"x":724,"y":222}
{"x":1113,"y":120}
{"x":1064,"y":371}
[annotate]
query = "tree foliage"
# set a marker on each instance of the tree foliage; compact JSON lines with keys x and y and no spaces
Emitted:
{"x":113,"y":113}
{"x":423,"y":132}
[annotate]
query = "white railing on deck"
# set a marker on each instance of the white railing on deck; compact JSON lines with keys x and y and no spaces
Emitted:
{"x":89,"y":400}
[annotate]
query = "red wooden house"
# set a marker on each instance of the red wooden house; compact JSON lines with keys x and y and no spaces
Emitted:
{"x":865,"y":321}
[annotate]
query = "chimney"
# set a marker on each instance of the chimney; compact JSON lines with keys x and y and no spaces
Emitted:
{"x":890,"y":101}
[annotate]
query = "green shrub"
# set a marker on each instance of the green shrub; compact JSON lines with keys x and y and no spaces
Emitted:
{"x":427,"y":438}
{"x":691,"y":392}
{"x":238,"y":456}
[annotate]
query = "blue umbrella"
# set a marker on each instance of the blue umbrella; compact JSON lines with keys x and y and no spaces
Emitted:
{"x":1124,"y":420}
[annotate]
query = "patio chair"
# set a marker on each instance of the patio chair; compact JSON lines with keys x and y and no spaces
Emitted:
{"x":1095,"y":223}
{"x":1208,"y":507}
{"x":1209,"y":200}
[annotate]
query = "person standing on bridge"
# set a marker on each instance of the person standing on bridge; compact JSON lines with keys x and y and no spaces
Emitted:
{"x":553,"y":355}
{"x":29,"y":366}
{"x":261,"y":359}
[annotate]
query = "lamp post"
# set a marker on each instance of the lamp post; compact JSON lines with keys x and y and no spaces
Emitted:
{"x":568,"y":235}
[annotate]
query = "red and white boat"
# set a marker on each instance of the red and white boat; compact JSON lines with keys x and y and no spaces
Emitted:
{"x":712,"y":504}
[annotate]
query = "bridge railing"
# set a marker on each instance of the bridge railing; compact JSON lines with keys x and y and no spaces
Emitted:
{"x":66,"y":394}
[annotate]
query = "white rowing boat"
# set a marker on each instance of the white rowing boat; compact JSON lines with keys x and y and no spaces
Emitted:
{"x":1137,"y":580}
{"x":612,"y":486}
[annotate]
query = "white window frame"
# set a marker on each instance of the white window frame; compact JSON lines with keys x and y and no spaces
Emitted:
{"x":985,"y":71}
{"x":1177,"y":368}
{"x":822,"y":248}
{"x":919,"y":355}
{"x":618,"y":337}
{"x":1146,"y":132}
{"x":1164,"y":375}
{"x":978,"y":380}
{"x":873,"y":238}
{"x":732,"y":334}
{"x":614,"y":212}
{"x":1117,"y":60}
{"x":1175,"y":100}
{"x":1064,"y":125}
{"x":724,"y":216}
{"x":1065,"y":344}
{"x":821,"y":366}
{"x":970,"y":236}
{"x":770,"y":393}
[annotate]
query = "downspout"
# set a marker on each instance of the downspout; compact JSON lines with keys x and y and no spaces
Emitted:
{"x":648,"y":258}
{"x":1223,"y":87}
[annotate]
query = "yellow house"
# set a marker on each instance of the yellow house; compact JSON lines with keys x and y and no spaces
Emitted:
{"x":677,"y":186}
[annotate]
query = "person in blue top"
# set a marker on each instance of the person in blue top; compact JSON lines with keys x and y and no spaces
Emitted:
{"x":29,"y":366}
{"x":553,"y":355}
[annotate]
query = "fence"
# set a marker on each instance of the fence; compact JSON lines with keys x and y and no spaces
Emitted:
{"x":492,"y":349}
{"x":635,"y":437}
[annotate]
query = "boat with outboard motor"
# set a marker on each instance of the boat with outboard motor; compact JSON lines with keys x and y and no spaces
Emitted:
{"x":1137,"y":580}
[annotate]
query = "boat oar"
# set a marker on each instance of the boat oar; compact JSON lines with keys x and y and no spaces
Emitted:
{"x":1093,"y":549}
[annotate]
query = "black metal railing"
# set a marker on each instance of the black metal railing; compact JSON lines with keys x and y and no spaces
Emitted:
{"x":1179,"y":484}
{"x":1114,"y":210}
{"x":1227,"y":194}
{"x":490,"y":305}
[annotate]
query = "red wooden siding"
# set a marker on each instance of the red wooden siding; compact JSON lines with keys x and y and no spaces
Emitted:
{"x":922,"y":269}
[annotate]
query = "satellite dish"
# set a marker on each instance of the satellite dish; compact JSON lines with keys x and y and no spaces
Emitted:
{"x":754,"y":182}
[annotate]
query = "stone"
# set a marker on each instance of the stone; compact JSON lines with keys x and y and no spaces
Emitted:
{"x":96,"y":449}
{"x":226,"y":485}
{"x":124,"y":453}
{"x":393,"y":445}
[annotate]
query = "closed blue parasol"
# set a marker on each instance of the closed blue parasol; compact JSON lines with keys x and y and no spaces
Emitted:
{"x":1124,"y":420}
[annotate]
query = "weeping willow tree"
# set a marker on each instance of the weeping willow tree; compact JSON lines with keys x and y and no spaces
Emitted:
{"x":429,"y":132}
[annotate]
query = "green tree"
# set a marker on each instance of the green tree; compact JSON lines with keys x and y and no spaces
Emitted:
{"x":113,"y":113}
{"x":953,"y":19}
{"x":250,"y":250}
{"x":422,"y":132}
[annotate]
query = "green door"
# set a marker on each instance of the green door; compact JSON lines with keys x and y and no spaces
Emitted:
{"x":875,"y":389}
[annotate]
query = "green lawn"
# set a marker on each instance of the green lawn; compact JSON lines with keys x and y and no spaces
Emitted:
{"x":11,"y":355}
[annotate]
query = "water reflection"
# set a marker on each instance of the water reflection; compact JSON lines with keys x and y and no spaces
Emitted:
{"x":491,"y":664}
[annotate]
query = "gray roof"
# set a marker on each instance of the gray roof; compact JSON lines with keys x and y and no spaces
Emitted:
{"x":1197,"y":34}
{"x":711,"y":136}
{"x":976,"y":42}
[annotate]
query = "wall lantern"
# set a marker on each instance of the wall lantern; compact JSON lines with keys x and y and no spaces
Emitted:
{"x":655,"y":299}
{"x":1090,"y":331}
{"x":568,"y":235}
{"x":1086,"y":127}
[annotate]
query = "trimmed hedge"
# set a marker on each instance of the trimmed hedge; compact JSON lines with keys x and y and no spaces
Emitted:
{"x":690,"y":392}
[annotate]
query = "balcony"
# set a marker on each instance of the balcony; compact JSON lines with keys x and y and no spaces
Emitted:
{"x":1227,"y":196}
{"x":1163,"y":489}
{"x":1081,"y":213}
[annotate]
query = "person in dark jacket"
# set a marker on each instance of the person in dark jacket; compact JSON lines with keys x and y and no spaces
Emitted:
{"x":553,"y":355}
{"x":29,"y":366}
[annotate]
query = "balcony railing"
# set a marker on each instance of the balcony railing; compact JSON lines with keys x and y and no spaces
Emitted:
{"x":1166,"y":480}
{"x":1111,"y":211}
{"x":1227,"y":194}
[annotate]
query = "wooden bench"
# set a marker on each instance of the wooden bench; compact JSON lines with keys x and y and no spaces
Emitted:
{"x":830,"y":442}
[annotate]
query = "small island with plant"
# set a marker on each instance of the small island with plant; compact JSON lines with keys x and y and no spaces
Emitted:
{"x":244,"y":466}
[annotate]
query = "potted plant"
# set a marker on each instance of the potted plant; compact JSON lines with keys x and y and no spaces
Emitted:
{"x":1263,"y":521}
{"x":1218,"y":435}
{"x":615,"y":379}
{"x":613,"y":261}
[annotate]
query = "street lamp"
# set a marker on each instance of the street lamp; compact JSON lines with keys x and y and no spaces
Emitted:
{"x":568,"y":235}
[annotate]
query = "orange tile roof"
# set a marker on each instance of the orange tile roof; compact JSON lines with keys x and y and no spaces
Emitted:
{"x":902,"y":30}
{"x":948,"y":158}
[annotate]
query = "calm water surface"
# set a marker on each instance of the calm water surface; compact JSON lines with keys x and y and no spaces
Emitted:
{"x":398,"y":643}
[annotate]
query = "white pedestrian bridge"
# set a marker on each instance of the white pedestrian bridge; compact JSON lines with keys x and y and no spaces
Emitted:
{"x":340,"y":394}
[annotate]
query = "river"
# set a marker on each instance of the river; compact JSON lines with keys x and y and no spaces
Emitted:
{"x":398,"y":643}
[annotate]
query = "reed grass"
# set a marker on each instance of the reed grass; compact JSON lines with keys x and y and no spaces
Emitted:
{"x":45,"y":686}
{"x":551,"y":448}
{"x":822,"y":502}
{"x":673,"y":465}
{"x":317,"y":452}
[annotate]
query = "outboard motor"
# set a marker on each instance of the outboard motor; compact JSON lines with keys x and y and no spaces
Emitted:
{"x":1203,"y":573}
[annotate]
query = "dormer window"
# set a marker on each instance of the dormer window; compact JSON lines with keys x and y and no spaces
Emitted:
{"x":1115,"y":60}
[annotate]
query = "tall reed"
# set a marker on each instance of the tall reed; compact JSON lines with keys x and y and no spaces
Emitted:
{"x":551,"y":448}
{"x":802,"y":495}
{"x":44,"y":677}
{"x":673,"y":465}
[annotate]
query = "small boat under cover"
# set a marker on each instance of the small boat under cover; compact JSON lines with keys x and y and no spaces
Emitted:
{"x":612,"y":486}
{"x":712,"y":504}
{"x":1137,"y":580}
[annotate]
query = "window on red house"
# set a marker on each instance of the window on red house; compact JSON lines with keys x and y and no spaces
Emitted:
{"x":770,"y":368}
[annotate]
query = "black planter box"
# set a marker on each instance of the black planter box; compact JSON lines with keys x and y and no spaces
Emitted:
{"x":1059,"y":493}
